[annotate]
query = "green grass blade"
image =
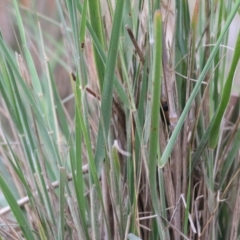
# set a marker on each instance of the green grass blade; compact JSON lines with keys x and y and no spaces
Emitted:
{"x":214,"y":133}
{"x":107,"y":93}
{"x":76,"y":162}
{"x":154,"y":129}
{"x":22,"y":221}
{"x":96,"y":22}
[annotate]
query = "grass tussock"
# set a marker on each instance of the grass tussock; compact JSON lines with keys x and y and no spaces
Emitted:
{"x":120,"y":122}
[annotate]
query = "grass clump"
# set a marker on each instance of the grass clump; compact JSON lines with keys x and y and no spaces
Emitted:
{"x":144,"y":144}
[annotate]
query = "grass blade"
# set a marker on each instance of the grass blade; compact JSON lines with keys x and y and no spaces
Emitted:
{"x":215,"y":129}
{"x":16,"y":210}
{"x":96,"y":22}
{"x":154,"y":130}
{"x":107,"y":93}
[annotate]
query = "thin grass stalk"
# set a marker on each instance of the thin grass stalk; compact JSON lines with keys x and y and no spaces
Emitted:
{"x":162,"y":195}
{"x":227,"y":10}
{"x":141,"y":117}
{"x":94,"y":213}
{"x":209,"y":16}
{"x":188,"y":195}
{"x":217,"y":59}
{"x":62,"y":182}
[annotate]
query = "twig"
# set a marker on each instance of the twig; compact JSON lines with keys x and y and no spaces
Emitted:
{"x":135,"y":44}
